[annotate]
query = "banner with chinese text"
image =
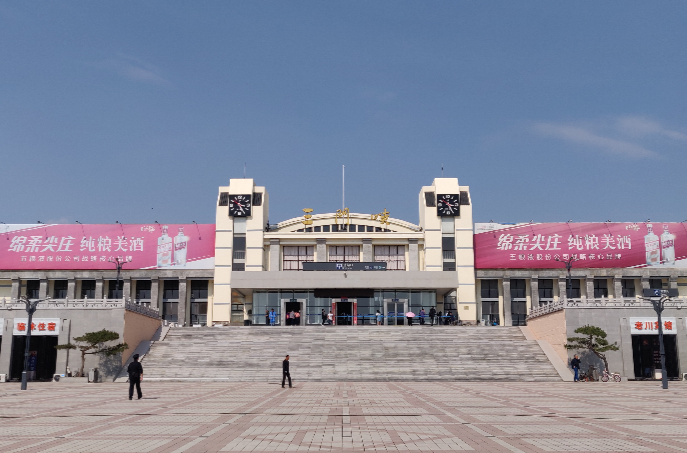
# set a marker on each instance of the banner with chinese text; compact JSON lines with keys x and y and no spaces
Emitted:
{"x":50,"y":246}
{"x":594,"y":245}
{"x":649,"y":326}
{"x":39,"y":326}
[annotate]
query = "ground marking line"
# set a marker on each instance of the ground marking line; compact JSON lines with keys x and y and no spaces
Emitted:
{"x":661,"y":443}
{"x":30,"y":446}
{"x":506,"y":445}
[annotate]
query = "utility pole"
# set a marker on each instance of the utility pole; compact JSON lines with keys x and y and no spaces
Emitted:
{"x":119,"y":262}
{"x":31,"y":307}
{"x":658,"y":298}
{"x":568,"y":265}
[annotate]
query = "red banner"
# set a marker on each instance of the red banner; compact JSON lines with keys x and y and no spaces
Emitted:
{"x":538,"y":245}
{"x":189,"y":246}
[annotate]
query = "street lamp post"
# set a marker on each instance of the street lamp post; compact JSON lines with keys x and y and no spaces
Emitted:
{"x":118,"y":262}
{"x":658,"y":299}
{"x":30,"y":309}
{"x":568,"y":265}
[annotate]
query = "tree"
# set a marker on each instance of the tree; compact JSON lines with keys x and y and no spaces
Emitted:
{"x":94,"y":343}
{"x":594,"y":340}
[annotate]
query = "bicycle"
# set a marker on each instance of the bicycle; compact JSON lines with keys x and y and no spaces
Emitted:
{"x":606,"y":376}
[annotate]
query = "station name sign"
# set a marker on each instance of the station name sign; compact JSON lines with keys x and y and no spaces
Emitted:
{"x":39,"y":326}
{"x":373,"y":266}
{"x":649,"y":326}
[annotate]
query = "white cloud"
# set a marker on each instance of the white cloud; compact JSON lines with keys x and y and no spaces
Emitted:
{"x":584,"y":136}
{"x":640,"y":126}
{"x":135,"y":69}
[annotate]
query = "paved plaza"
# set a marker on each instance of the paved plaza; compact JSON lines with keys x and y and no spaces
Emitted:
{"x":422,"y":417}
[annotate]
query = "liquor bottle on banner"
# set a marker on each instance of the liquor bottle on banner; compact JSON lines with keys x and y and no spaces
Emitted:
{"x":164,"y":249}
{"x":651,"y":245}
{"x":667,"y":246}
{"x":180,"y":248}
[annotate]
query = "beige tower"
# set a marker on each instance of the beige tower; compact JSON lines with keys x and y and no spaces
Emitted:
{"x":449,"y":239}
{"x":242,"y":215}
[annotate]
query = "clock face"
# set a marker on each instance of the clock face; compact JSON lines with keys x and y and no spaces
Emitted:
{"x":448,"y":205}
{"x":239,"y":205}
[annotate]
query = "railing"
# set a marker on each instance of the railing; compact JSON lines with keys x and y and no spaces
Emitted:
{"x":621,"y":302}
{"x":240,"y":255}
{"x":55,"y":304}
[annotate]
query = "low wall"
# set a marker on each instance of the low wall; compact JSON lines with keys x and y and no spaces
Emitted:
{"x":551,"y":328}
{"x":137,"y":328}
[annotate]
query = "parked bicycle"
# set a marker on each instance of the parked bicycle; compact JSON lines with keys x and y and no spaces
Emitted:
{"x":606,"y":376}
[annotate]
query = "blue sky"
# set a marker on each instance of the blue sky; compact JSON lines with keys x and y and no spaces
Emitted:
{"x":138,"y":111}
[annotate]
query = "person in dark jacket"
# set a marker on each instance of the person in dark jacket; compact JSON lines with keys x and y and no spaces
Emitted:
{"x":324,"y":317}
{"x":432,"y":315}
{"x":135,"y":371}
{"x":285,"y":372}
{"x":575,"y":364}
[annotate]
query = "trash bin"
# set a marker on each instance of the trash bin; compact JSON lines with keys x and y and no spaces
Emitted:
{"x":93,"y":375}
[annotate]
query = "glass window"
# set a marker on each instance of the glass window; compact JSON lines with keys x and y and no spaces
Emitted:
{"x":517,"y":289}
{"x":628,"y":287}
{"x":143,"y":289}
{"x":393,"y":255}
{"x":60,"y":289}
{"x":656,"y":283}
{"x":294,"y":257}
{"x":546,"y":289}
{"x":490,"y":289}
{"x":600,"y":287}
{"x":325,"y":228}
{"x":199,"y":289}
{"x":574,"y":291}
{"x":170,"y":311}
{"x":348,"y":254}
{"x":88,"y":289}
{"x":33,"y":288}
{"x":171,"y":290}
{"x":112,"y":291}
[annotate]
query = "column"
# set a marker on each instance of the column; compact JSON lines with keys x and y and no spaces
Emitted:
{"x":183,"y":312}
{"x":43,"y":289}
{"x":507,"y":316}
{"x":534,"y":291}
{"x":413,"y":255}
{"x":645,"y":284}
{"x":16,"y":288}
{"x":99,"y":288}
{"x":368,"y":256}
{"x":672,"y":283}
{"x":321,"y":250}
{"x":274,"y":255}
{"x":589,"y":283}
{"x":6,"y":350}
{"x":154,"y":294}
{"x":617,"y":286}
{"x":71,"y":288}
{"x":63,"y":354}
{"x":126,"y":289}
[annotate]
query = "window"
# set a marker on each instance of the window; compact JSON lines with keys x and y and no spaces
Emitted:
{"x":574,"y":288}
{"x":171,"y":290}
{"x":517,"y":289}
{"x":239,"y":266}
{"x":656,"y":283}
{"x":60,"y":289}
{"x":317,"y":229}
{"x":600,"y":287}
{"x":325,"y":228}
{"x":143,"y":289}
{"x":628,"y":285}
{"x":33,"y":289}
{"x":88,"y":289}
{"x":449,"y":266}
{"x":490,"y":289}
{"x":170,"y":300}
{"x":199,"y":289}
{"x":112,"y":292}
{"x":347,"y":254}
{"x":393,"y":255}
{"x":294,"y":257}
{"x":545,"y":289}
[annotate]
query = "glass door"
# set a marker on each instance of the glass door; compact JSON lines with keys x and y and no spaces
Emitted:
{"x":395,"y":311}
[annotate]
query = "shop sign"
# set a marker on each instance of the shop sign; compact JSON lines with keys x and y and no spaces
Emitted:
{"x":374,"y":266}
{"x":589,"y":245}
{"x":649,"y":326}
{"x":39,"y":326}
{"x":32,"y":247}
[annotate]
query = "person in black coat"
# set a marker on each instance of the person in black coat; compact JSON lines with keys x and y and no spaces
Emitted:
{"x":285,"y":372}
{"x":575,"y":364}
{"x":432,"y":315}
{"x":135,"y":370}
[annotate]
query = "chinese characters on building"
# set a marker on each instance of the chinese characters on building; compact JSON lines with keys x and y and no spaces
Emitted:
{"x":539,"y":247}
{"x":649,"y":326}
{"x":66,"y":248}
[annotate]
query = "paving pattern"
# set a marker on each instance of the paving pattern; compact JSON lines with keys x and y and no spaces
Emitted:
{"x":194,"y":417}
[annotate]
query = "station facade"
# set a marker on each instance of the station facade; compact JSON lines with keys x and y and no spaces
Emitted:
{"x":240,"y":269}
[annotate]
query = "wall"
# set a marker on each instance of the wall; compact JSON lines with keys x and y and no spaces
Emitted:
{"x":137,"y":328}
{"x":551,"y":328}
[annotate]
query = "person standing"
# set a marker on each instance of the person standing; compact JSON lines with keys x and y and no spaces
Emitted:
{"x":288,"y":320}
{"x":298,"y":318}
{"x":422,"y":316}
{"x":379,"y":318}
{"x":267,"y":317}
{"x":273,"y":317}
{"x":575,"y":364}
{"x":285,"y":372}
{"x":324,"y":317}
{"x":439,"y":318}
{"x":432,"y":315}
{"x":330,"y":318}
{"x":135,"y":370}
{"x":293,"y":318}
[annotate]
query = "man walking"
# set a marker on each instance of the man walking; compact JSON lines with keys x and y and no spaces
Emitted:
{"x":575,"y":364}
{"x":432,"y":315}
{"x":285,"y":372}
{"x":135,"y":371}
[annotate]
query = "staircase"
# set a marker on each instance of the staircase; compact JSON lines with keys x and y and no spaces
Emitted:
{"x":348,"y":353}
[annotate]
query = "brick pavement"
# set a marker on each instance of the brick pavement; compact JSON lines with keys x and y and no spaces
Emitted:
{"x":380,"y":417}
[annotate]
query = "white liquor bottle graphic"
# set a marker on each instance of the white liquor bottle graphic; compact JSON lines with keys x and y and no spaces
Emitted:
{"x":180,"y":248}
{"x":667,"y":246}
{"x":164,"y":249}
{"x":651,"y":245}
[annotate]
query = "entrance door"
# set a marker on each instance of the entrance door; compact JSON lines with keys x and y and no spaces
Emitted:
{"x":345,"y":312}
{"x":646,"y":352}
{"x":43,"y":356}
{"x":395,"y":311}
{"x":293,"y":305}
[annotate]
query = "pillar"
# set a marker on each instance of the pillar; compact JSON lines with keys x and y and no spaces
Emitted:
{"x":274,"y":255}
{"x":71,"y":288}
{"x":562,"y":285}
{"x":16,"y":288}
{"x":321,"y":250}
{"x":99,"y":288}
{"x":6,"y":350}
{"x":617,"y":287}
{"x":589,"y":284}
{"x":645,"y":284}
{"x":43,"y":289}
{"x":63,"y":354}
{"x":507,"y":314}
{"x":413,"y":255}
{"x":534,"y":291}
{"x":126,"y":289}
{"x":155,"y":294}
{"x":368,"y":255}
{"x":183,"y":312}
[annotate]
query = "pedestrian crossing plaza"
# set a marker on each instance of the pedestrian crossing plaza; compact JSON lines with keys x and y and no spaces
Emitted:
{"x":191,"y":417}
